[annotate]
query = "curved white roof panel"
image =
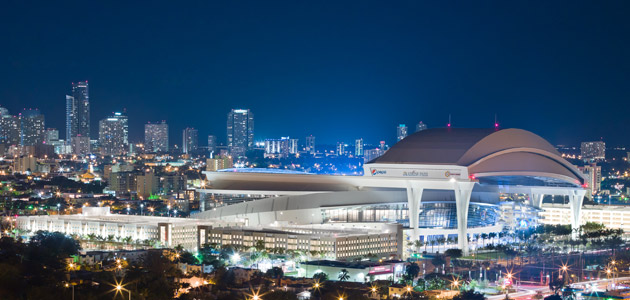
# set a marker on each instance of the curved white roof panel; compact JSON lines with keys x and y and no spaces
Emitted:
{"x":485,"y":152}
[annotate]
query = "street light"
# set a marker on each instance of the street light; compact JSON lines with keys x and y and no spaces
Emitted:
{"x":141,"y":207}
{"x":70,"y":285}
{"x":119,"y":288}
{"x":58,"y":207}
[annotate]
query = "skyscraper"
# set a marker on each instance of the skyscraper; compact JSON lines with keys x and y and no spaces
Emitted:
{"x":69,"y":118}
{"x":341,"y":148}
{"x":401,"y":132}
{"x":240,"y":131}
{"x":156,"y":137}
{"x":212,"y":144}
{"x":9,"y":128}
{"x":51,"y":135}
{"x":358,"y":147}
{"x":81,"y":145}
{"x":421,"y":126}
{"x":310,"y":144}
{"x":78,"y":111}
{"x":32,"y":127}
{"x":282,"y":147}
{"x":593,"y":174}
{"x":113,"y":134}
{"x":190,"y":140}
{"x":593,"y":150}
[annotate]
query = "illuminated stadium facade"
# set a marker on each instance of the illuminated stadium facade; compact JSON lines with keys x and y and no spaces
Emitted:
{"x":436,"y":182}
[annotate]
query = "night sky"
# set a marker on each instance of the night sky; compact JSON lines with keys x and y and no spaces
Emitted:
{"x":338,"y":70}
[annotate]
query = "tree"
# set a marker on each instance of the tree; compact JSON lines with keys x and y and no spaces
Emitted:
{"x":50,"y":248}
{"x":555,"y":285}
{"x":438,"y":260}
{"x":260,"y":245}
{"x":411,"y":271}
{"x":453,"y":253}
{"x":275,"y":273}
{"x":343,"y":275}
{"x":484,"y":237}
{"x":553,"y":297}
{"x":469,"y":295}
{"x":320,"y":277}
{"x":188,"y":258}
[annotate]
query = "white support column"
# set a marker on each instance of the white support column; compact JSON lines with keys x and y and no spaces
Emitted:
{"x":463,"y":191}
{"x":576,"y":197}
{"x":535,"y":200}
{"x":414,"y":196}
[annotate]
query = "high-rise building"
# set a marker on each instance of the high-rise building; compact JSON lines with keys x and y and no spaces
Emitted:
{"x":51,"y":136}
{"x":593,"y":150}
{"x":401,"y":132}
{"x":9,"y":128}
{"x":70,"y":130}
{"x":371,"y":154}
{"x":310,"y":144}
{"x":190,"y":140}
{"x":78,"y":111}
{"x":593,"y":174}
{"x":240,"y":131}
{"x":123,"y":183}
{"x":3,"y":112}
{"x":32,"y":127}
{"x":282,"y":147}
{"x":156,"y":137}
{"x":341,"y":148}
{"x":212,"y":144}
{"x":147,"y":185}
{"x":81,"y":145}
{"x":358,"y":147}
{"x":421,"y":126}
{"x":113,"y":134}
{"x":219,"y":163}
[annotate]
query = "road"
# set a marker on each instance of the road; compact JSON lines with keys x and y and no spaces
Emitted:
{"x":528,"y":291}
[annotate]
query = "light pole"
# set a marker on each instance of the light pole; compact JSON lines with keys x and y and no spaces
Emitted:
{"x":71,"y":285}
{"x":58,"y":207}
{"x":141,"y":207}
{"x":168,"y":210}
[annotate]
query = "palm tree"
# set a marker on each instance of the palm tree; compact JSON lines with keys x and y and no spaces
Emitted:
{"x":441,"y":240}
{"x":484,"y":236}
{"x":343,"y":275}
{"x":418,"y":244}
{"x":492,"y":235}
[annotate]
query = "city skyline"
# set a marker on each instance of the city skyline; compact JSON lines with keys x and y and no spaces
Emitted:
{"x":407,"y":66}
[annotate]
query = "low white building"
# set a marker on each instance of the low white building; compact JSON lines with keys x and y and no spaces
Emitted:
{"x":612,"y":216}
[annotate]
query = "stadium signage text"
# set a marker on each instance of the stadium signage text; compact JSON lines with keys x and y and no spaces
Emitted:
{"x":416,"y":173}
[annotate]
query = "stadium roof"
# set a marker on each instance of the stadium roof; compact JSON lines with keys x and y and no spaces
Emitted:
{"x":486,"y":153}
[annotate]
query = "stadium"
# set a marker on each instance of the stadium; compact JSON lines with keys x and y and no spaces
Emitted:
{"x":442,"y":182}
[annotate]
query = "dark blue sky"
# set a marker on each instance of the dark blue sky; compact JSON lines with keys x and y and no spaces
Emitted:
{"x":335,"y":69}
